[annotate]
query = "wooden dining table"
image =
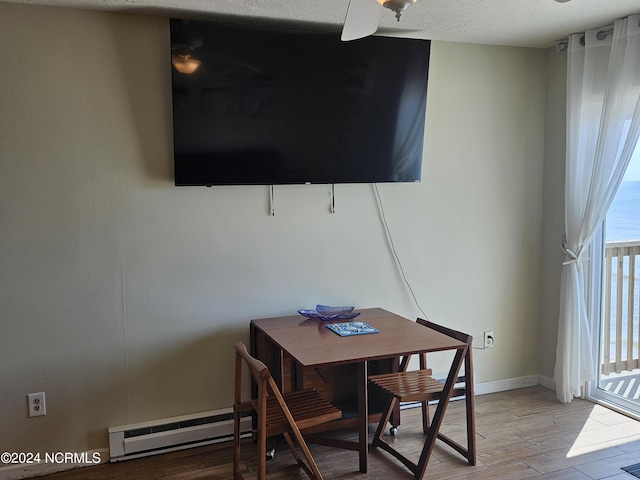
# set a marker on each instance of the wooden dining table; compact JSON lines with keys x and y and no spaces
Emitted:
{"x":299,"y":349}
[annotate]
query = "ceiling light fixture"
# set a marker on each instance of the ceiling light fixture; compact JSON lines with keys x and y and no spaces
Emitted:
{"x":400,"y":6}
{"x":185,"y":63}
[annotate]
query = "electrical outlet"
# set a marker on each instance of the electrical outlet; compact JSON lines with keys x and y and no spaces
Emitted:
{"x":37,"y":404}
{"x":488,"y":339}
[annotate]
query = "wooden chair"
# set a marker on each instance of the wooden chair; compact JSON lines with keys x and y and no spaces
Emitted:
{"x":420,"y":386}
{"x":276,"y":414}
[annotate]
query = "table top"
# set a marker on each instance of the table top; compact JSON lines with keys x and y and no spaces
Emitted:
{"x":311,"y":343}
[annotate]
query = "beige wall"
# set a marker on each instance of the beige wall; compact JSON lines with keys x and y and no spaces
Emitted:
{"x":121,"y":295}
{"x":553,"y":206}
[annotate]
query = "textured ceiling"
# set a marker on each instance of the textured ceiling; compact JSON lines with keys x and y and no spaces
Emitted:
{"x":529,"y":23}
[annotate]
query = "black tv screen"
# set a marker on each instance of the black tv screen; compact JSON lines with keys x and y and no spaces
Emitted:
{"x":272,"y":106}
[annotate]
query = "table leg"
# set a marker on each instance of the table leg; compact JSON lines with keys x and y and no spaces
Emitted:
{"x":363,"y":416}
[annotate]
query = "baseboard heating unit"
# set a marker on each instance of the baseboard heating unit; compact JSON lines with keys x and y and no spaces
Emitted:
{"x":176,"y":433}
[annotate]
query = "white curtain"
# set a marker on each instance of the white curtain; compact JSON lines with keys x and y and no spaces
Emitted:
{"x":603,"y":124}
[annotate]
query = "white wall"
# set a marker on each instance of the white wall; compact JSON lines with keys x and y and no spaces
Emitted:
{"x":121,"y":295}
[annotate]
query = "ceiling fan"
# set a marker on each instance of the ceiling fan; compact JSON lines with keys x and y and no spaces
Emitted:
{"x":363,"y":16}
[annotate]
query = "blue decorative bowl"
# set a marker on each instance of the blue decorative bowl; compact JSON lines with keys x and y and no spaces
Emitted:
{"x":325,"y":312}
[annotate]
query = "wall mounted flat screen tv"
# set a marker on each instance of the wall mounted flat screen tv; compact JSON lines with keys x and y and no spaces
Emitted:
{"x":272,"y":106}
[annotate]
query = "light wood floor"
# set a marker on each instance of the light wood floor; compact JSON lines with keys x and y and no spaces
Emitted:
{"x":522,"y":434}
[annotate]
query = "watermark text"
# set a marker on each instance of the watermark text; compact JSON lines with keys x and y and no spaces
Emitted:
{"x":26,"y":458}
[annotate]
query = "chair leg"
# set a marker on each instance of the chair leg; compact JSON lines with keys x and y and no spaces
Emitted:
{"x":310,"y":467}
{"x":470,"y":451}
{"x":384,"y":419}
{"x":438,"y":416}
{"x":236,"y":446}
{"x":292,"y":447}
{"x":261,"y":472}
{"x":425,"y":417}
{"x":471,"y":421}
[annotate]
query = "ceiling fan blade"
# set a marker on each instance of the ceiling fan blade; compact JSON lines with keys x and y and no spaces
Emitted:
{"x":362,"y":19}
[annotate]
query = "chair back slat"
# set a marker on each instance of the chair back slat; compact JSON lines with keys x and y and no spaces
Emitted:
{"x":463,"y":337}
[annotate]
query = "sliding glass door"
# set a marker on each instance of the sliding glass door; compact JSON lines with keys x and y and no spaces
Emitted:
{"x":617,"y":380}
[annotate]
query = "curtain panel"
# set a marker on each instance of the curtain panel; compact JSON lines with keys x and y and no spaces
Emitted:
{"x":603,"y":124}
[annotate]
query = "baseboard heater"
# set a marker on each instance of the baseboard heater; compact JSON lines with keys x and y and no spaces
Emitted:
{"x":176,"y":433}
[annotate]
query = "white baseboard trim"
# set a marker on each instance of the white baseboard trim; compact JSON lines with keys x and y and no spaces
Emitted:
{"x":51,"y":462}
{"x":547,"y":382}
{"x":507,"y":384}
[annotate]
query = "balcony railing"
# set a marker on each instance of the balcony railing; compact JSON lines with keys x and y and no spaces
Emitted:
{"x":621,"y":320}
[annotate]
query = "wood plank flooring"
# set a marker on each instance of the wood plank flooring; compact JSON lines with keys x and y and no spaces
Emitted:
{"x":522,"y":434}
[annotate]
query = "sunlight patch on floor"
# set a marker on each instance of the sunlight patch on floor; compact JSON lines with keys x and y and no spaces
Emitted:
{"x":604,"y":429}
